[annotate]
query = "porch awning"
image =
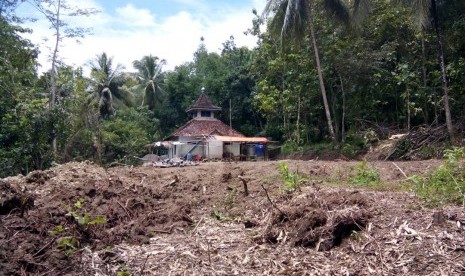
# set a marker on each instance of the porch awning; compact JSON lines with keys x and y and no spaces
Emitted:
{"x":262,"y":140}
{"x":166,"y":144}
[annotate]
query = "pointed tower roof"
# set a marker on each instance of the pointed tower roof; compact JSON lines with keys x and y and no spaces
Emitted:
{"x":203,"y":103}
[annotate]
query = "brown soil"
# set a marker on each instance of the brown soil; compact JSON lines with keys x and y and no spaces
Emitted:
{"x":319,"y":219}
{"x":198,"y":221}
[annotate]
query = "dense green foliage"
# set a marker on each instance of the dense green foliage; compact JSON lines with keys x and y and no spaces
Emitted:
{"x":292,"y":180}
{"x":446,"y":184}
{"x":382,"y":72}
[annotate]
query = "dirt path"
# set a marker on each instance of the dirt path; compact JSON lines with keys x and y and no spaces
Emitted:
{"x":197,"y":221}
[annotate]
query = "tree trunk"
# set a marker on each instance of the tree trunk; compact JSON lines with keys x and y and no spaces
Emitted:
{"x":143,"y":98}
{"x":436,"y":112}
{"x":442,"y":64}
{"x":320,"y":78}
{"x":297,"y":132}
{"x":93,"y":118}
{"x":53,"y":75}
{"x":343,"y":130}
{"x":425,"y":81}
{"x":397,"y":111}
{"x":408,"y":108}
{"x":333,"y":99}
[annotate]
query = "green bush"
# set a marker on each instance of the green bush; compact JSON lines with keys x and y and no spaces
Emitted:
{"x":127,"y":133}
{"x":291,"y":180}
{"x":68,"y":239}
{"x":367,"y":177}
{"x":444,"y":185}
{"x":358,"y":142}
{"x":215,"y":214}
{"x":290,"y":146}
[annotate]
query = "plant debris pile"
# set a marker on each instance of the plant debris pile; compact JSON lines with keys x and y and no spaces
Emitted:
{"x":321,"y":220}
{"x":14,"y":201}
{"x":75,"y":205}
{"x":81,"y":219}
{"x":422,"y":143}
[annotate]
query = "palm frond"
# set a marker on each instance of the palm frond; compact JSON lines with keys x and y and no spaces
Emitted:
{"x":360,"y":11}
{"x":149,"y":75}
{"x":290,"y":18}
{"x":271,"y":7}
{"x":338,"y":10}
{"x":296,"y":19}
{"x":420,"y":11}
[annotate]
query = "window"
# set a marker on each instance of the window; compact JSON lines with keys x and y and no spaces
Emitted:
{"x":206,"y":114}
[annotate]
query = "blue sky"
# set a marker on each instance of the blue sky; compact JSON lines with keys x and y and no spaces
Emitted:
{"x":128,"y":30}
{"x":164,"y":8}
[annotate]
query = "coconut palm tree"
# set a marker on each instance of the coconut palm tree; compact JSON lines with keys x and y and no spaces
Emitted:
{"x":106,"y":81}
{"x":426,"y":14}
{"x":294,"y":20}
{"x":150,"y":77}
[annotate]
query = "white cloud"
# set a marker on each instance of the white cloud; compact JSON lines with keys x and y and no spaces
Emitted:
{"x":134,"y":17}
{"x":135,"y":32}
{"x":197,"y":4}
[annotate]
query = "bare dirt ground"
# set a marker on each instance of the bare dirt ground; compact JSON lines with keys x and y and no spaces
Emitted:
{"x":198,"y":221}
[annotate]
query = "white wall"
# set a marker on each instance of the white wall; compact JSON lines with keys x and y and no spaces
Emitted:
{"x":182,"y":150}
{"x":215,"y":149}
{"x":199,"y":150}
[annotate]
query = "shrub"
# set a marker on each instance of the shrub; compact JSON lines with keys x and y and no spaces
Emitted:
{"x":291,"y":180}
{"x":444,"y":185}
{"x":218,"y":215}
{"x":69,"y":239}
{"x":357,"y":143}
{"x":364,"y":176}
{"x":290,"y":146}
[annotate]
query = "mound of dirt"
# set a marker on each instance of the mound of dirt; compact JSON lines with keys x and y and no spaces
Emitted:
{"x":14,"y":201}
{"x":79,"y":218}
{"x":78,"y":205}
{"x":318,"y":219}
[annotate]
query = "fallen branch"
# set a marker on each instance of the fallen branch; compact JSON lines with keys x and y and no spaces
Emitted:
{"x":209,"y":255}
{"x":271,"y":202}
{"x":124,"y":208}
{"x":173,"y":182}
{"x":403,"y":173}
{"x":143,"y":266}
{"x":196,"y":226}
{"x":161,"y":231}
{"x":45,"y":246}
{"x":244,"y":182}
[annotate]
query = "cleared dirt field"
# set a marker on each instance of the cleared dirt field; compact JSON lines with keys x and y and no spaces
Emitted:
{"x":198,"y":221}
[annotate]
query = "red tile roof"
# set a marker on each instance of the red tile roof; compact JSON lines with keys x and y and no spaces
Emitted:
{"x":199,"y":127}
{"x":203,"y":103}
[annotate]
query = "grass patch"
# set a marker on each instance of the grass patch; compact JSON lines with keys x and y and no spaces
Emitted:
{"x":290,"y":147}
{"x":444,"y":185}
{"x":215,"y":214}
{"x":362,"y":176}
{"x":291,"y":180}
{"x":353,"y":147}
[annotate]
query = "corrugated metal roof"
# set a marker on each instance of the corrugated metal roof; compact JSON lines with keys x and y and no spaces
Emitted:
{"x":240,"y":139}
